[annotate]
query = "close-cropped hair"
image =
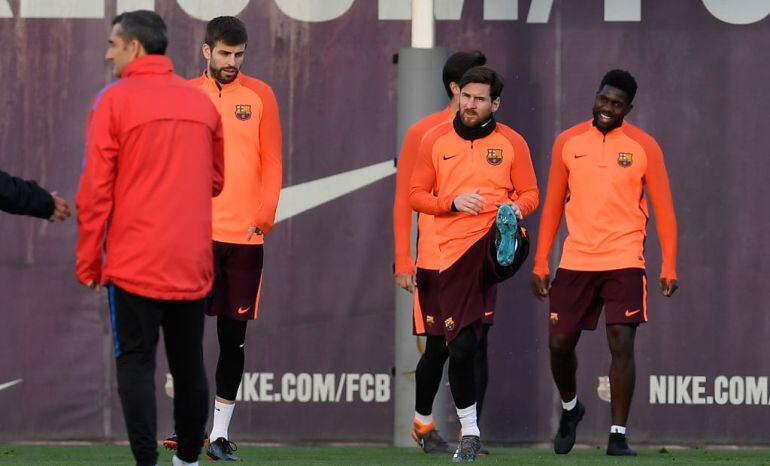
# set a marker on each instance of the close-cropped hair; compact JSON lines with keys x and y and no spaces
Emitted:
{"x":456,"y":66}
{"x":227,"y":29}
{"x":145,"y":26}
{"x":620,"y":79}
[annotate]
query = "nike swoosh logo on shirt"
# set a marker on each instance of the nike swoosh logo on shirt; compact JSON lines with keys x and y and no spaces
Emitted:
{"x":243,"y":311}
{"x":305,"y":196}
{"x":447,"y":157}
{"x":10,"y":384}
{"x":580,"y":156}
{"x":631,"y":313}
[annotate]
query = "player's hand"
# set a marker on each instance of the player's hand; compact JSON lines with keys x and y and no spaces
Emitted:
{"x":94,"y":285}
{"x":514,"y":206}
{"x":406,"y":281}
{"x":540,"y":286}
{"x":60,"y":210}
{"x":253,"y":230}
{"x":471,"y":203}
{"x":668,"y":286}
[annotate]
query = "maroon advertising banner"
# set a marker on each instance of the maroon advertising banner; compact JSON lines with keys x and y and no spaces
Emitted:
{"x":319,"y":362}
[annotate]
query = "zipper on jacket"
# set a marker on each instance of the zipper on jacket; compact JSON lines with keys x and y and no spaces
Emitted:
{"x":602,"y":161}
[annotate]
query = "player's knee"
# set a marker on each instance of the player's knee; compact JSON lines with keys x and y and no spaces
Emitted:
{"x":622,"y":352}
{"x":461,"y":354}
{"x":561,"y":350}
{"x":436,"y":350}
{"x":562,"y":344}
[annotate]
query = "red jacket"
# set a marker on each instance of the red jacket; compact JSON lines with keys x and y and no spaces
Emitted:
{"x":154,"y":158}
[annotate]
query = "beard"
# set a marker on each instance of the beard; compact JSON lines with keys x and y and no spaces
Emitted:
{"x":219,"y":74}
{"x":472,"y":118}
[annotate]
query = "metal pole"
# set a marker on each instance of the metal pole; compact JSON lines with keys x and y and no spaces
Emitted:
{"x":420,"y":93}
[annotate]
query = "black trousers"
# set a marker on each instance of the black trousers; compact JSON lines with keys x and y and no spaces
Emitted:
{"x":135,"y":323}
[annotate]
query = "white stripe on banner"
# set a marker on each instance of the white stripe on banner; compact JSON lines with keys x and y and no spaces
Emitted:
{"x":305,"y":196}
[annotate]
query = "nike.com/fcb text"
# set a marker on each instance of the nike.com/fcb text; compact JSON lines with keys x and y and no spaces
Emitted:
{"x":314,"y":388}
{"x":698,"y":390}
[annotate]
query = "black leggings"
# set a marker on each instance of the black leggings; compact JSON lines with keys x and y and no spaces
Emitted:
{"x":232,"y":340}
{"x":462,"y":357}
{"x":430,"y":369}
{"x":481,"y":369}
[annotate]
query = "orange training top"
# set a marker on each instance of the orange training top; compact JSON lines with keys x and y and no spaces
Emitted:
{"x":602,"y":179}
{"x":427,"y":243}
{"x":499,"y":165}
{"x":252,"y":130}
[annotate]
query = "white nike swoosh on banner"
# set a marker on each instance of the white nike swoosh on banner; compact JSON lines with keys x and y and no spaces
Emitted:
{"x":10,"y":384}
{"x":305,"y":196}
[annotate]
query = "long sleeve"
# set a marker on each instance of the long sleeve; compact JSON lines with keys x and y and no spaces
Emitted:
{"x":402,"y":211}
{"x":523,"y":174}
{"x":94,"y":198}
{"x":423,"y":183}
{"x":553,"y":209}
{"x":22,"y":197}
{"x":659,"y":192}
{"x":270,"y":142}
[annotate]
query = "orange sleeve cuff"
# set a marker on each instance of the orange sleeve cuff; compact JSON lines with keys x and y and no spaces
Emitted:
{"x":541,"y":267}
{"x":668,"y":272}
{"x":404,"y":265}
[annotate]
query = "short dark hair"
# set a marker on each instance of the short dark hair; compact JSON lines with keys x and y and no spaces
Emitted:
{"x":622,"y":80}
{"x":227,"y":29}
{"x":145,"y":26}
{"x":484,"y":75}
{"x":457,"y":64}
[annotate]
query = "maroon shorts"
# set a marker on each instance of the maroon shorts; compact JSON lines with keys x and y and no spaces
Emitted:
{"x":469,"y":286}
{"x":237,"y":281}
{"x":428,"y":318}
{"x":427,"y":303}
{"x":577,"y":299}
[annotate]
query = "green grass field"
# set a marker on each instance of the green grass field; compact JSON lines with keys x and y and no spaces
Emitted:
{"x":61,"y":455}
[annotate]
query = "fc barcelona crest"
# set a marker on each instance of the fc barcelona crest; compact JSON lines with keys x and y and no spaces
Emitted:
{"x":429,"y":320}
{"x":494,"y":156}
{"x":625,"y":159}
{"x":449,"y":324}
{"x":243,"y":112}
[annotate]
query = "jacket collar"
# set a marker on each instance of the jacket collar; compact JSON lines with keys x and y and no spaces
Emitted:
{"x":148,"y":64}
{"x":222,"y":87}
{"x":612,"y":133}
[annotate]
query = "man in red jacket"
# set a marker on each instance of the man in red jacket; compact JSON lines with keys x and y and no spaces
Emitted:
{"x":154,"y":158}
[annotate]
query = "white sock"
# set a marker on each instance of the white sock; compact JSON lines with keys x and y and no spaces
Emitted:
{"x":177,"y":462}
{"x":569,"y":405}
{"x":468,"y":421}
{"x":618,"y":429}
{"x":222,"y":414}
{"x":424,"y":419}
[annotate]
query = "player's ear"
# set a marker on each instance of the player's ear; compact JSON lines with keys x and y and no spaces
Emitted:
{"x":206,"y":51}
{"x":455,"y":88}
{"x":495,"y":104}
